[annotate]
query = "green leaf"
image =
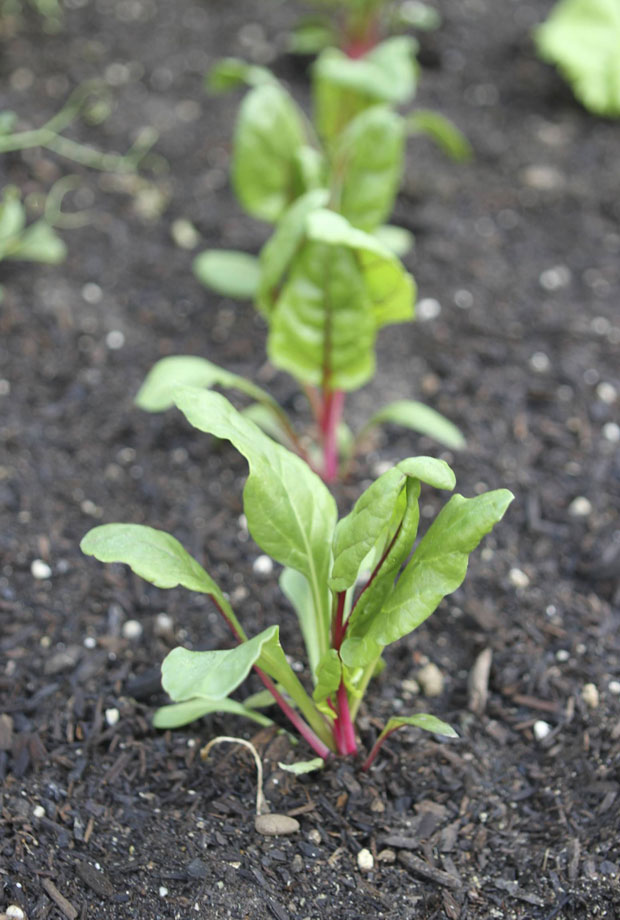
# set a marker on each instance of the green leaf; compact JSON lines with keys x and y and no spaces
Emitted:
{"x":296,"y":589}
{"x":268,"y":134}
{"x":8,"y":121}
{"x":417,"y":417}
{"x":396,"y":239}
{"x":343,"y":86}
{"x":329,"y":675}
{"x":12,"y":217}
{"x":417,"y":15}
{"x":155,"y":556}
{"x":157,"y":392}
{"x":311,"y":36}
{"x":303,"y":766}
{"x":233,"y":274}
{"x":421,"y":720}
{"x":369,"y":157}
{"x":177,"y":714}
{"x":38,"y":243}
{"x":212,"y":675}
{"x":438,"y":565}
{"x":290,"y":512}
{"x":280,"y":249}
{"x":442,"y":131}
{"x":230,"y":73}
{"x":582,"y":38}
{"x":358,"y":532}
{"x":268,"y":422}
{"x":341,"y":288}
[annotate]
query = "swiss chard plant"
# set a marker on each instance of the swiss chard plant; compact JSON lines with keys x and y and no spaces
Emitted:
{"x":356,"y":26}
{"x":328,"y":279}
{"x":354,"y":583}
{"x":325,"y":289}
{"x":582,"y":38}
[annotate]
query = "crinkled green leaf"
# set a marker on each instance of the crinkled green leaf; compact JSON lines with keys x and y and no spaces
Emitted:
{"x":391,"y":289}
{"x":340,"y":288}
{"x":233,"y":274}
{"x":437,"y":568}
{"x":415,"y":415}
{"x":303,"y":766}
{"x":369,"y":157}
{"x":290,"y":512}
{"x":155,"y":556}
{"x":359,"y":531}
{"x":157,"y":392}
{"x":212,"y":675}
{"x":177,"y":714}
{"x":268,"y":134}
{"x":230,"y":73}
{"x":422,"y":720}
{"x":343,"y":86}
{"x":582,"y":38}
{"x":280,"y":249}
{"x":442,"y":131}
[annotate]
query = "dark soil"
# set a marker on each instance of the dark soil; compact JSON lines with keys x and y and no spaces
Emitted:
{"x":521,"y":250}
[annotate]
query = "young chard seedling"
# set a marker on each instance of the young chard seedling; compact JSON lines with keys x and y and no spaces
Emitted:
{"x":355,"y":584}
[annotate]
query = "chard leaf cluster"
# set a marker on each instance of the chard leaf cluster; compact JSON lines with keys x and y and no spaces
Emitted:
{"x":357,"y":585}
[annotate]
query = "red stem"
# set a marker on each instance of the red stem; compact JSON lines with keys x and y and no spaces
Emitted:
{"x":376,"y":748}
{"x":344,"y":724}
{"x":333,"y":404}
{"x":300,"y":724}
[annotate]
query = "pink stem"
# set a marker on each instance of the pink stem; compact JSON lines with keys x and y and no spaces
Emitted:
{"x":376,"y":748}
{"x":333,"y":404}
{"x":344,"y":725}
{"x":300,"y":724}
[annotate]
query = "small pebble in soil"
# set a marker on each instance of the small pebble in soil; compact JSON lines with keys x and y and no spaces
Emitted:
{"x":90,"y":642}
{"x":386,"y":856}
{"x":365,"y":860}
{"x":13,"y":912}
{"x":518,"y":578}
{"x":314,"y":836}
{"x":607,"y":392}
{"x":611,"y":432}
{"x":184,"y":234}
{"x":92,"y":293}
{"x":590,"y":695}
{"x":40,"y":570}
{"x":614,"y":687}
{"x":540,"y":362}
{"x":164,"y":624}
{"x":112,"y":716}
{"x":562,"y":654}
{"x":580,"y":507}
{"x":115,"y":339}
{"x":543,"y":178}
{"x":552,"y":279}
{"x":132,"y":629}
{"x":262,"y":565}
{"x":5,"y":387}
{"x":275,"y":825}
{"x":430,"y":680}
{"x":38,"y":811}
{"x":163,"y":891}
{"x":463,"y":299}
{"x":428,"y":308}
{"x":541,"y":730}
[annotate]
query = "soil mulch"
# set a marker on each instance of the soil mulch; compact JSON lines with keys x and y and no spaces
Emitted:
{"x":517,"y":261}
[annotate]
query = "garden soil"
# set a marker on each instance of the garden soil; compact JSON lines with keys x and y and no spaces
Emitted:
{"x":517,"y":259}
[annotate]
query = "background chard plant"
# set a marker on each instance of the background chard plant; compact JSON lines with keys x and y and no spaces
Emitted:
{"x":329,"y":278}
{"x":354,"y":583}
